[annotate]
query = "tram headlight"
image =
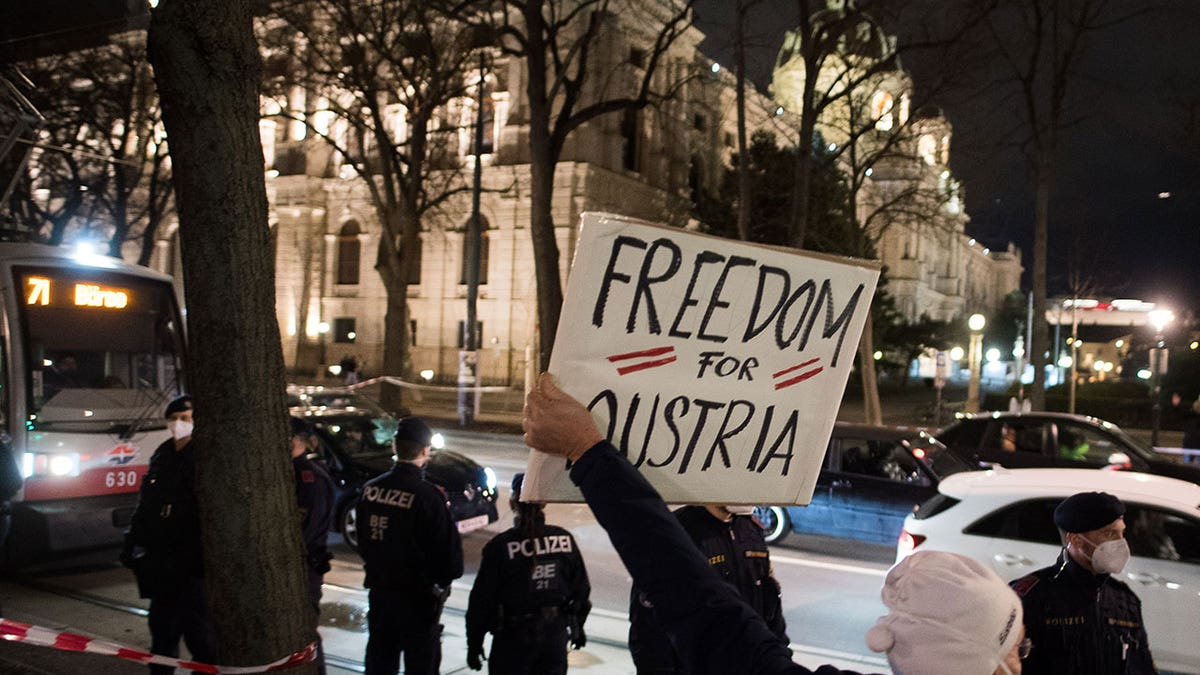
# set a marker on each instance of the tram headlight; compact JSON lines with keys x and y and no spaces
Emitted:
{"x":36,"y":464}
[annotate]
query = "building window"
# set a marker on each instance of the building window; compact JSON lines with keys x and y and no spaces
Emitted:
{"x":881,"y":110}
{"x":462,"y":337}
{"x":349,"y":252}
{"x":343,"y":329}
{"x":637,"y":57}
{"x":412,"y":332}
{"x":698,"y":122}
{"x":728,"y":140}
{"x":695,"y":178}
{"x":484,"y":248}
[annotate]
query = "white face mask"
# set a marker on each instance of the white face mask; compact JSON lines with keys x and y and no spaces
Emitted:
{"x":1109,"y":557}
{"x":180,"y":429}
{"x":740,"y":510}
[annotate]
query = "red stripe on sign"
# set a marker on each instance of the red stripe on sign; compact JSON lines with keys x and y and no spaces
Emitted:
{"x":13,"y":630}
{"x":785,"y":371}
{"x":71,"y":642}
{"x":133,"y":655}
{"x":796,"y":380}
{"x":657,"y":351}
{"x":642,"y":366}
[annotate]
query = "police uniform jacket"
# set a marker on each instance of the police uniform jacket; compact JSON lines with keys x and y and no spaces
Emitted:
{"x":406,"y":536}
{"x":166,"y":522}
{"x":314,"y":495}
{"x":1082,"y":623}
{"x":713,"y":630}
{"x":737,"y":552}
{"x":520,"y":576}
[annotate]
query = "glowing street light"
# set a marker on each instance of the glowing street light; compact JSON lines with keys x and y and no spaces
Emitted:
{"x":974,"y":356}
{"x":1159,"y":318}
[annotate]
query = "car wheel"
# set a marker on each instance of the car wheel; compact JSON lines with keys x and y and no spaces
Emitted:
{"x":774,"y":522}
{"x":350,"y":524}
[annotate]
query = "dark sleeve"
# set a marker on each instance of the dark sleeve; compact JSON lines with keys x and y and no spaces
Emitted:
{"x":445,"y":545}
{"x":714,"y":631}
{"x":1140,"y":660}
{"x":318,"y":516}
{"x":579,"y":600}
{"x":773,"y":607}
{"x":648,"y":645}
{"x":485,"y":597}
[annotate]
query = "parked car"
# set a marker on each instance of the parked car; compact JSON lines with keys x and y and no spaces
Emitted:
{"x":355,"y":436}
{"x":1043,"y":439}
{"x":873,"y":477}
{"x":1005,"y":519}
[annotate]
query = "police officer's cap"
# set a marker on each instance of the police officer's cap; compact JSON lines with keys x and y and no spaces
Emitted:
{"x":1087,"y":511}
{"x":518,"y":481}
{"x":414,"y":430}
{"x":178,"y":405}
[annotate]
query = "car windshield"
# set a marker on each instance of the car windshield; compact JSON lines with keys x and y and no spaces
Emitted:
{"x":358,"y":436}
{"x":937,"y":457}
{"x":1134,"y":444}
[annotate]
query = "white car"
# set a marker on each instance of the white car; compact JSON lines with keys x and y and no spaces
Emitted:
{"x":1005,"y":519}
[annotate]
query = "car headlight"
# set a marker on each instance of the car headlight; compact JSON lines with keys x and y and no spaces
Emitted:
{"x":437,"y":441}
{"x":489,"y":477}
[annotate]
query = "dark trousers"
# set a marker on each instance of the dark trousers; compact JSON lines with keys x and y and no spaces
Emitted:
{"x":182,"y":614}
{"x":403,"y":622}
{"x":315,"y":579}
{"x":534,"y":648}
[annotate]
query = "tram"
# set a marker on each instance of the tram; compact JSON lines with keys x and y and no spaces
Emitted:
{"x":91,"y":350}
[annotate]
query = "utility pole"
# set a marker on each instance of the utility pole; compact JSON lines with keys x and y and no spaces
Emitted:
{"x":468,"y":358}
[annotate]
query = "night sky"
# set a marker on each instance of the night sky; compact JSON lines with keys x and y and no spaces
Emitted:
{"x":1135,"y":139}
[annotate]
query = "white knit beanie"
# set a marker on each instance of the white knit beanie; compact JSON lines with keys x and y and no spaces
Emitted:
{"x":948,"y":615}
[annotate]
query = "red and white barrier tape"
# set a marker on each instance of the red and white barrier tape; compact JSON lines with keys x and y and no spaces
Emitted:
{"x":14,"y":631}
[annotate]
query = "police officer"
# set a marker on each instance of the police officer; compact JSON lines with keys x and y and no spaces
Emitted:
{"x":1080,"y":619}
{"x":531,"y":594}
{"x":732,"y":542}
{"x":314,"y":495}
{"x":412,"y":551}
{"x":163,"y":546}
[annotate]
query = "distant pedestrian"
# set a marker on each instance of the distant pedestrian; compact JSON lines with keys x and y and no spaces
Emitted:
{"x":349,"y":366}
{"x":531,"y":594}
{"x":163,"y":546}
{"x":732,"y":542}
{"x":1082,"y":619}
{"x":411,"y":552}
{"x":314,"y":495}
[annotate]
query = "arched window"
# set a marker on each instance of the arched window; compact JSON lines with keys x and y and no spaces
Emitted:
{"x":695,"y":178}
{"x":484,"y":249}
{"x":349,"y":253}
{"x":881,"y":110}
{"x":630,"y":138}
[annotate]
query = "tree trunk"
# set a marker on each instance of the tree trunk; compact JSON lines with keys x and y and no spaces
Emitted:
{"x":872,"y":410}
{"x":745,"y":187}
{"x":798,"y":226}
{"x":309,"y":356}
{"x":1039,"y":342}
{"x":395,"y":269}
{"x":206,"y":63}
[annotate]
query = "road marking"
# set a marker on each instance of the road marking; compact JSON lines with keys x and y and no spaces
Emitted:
{"x":869,"y":571}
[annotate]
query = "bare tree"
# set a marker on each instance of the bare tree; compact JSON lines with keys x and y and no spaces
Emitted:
{"x":1040,"y":47}
{"x":207,"y":67}
{"x":574,"y":76}
{"x":378,"y":80}
{"x":101,"y":166}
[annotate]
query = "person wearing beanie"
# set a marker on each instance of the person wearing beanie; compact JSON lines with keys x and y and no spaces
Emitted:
{"x":163,"y":546}
{"x":948,"y":615}
{"x":531,"y":594}
{"x":1081,"y":619}
{"x":411,"y":552}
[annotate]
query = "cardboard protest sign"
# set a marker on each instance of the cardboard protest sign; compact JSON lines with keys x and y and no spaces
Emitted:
{"x":716,"y":366}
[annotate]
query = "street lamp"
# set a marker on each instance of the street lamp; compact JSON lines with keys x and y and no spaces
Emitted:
{"x":974,"y":356}
{"x":468,"y":359}
{"x":1159,"y":318}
